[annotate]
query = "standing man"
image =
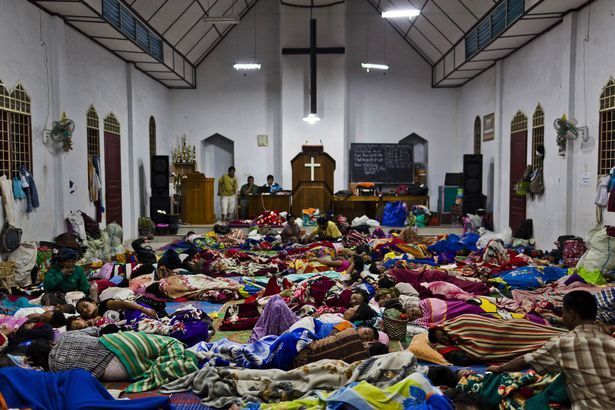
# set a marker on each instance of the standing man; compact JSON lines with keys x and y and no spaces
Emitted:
{"x":227,"y":191}
{"x":244,"y":194}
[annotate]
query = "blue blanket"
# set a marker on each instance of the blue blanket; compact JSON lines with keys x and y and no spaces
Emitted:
{"x":270,"y":352}
{"x":72,"y":390}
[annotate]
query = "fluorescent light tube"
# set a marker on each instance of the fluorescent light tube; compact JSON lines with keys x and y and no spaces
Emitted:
{"x":370,"y":66}
{"x":311,"y":118}
{"x":221,"y":19}
{"x":402,"y":13}
{"x":247,"y":66}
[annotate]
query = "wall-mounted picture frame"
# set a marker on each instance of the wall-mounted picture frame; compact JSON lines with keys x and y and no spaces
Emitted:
{"x":488,"y":127}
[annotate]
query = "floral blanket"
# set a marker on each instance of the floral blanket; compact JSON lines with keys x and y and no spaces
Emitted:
{"x":223,"y":386}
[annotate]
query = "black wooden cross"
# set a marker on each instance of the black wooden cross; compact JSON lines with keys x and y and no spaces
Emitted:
{"x":313,"y":51}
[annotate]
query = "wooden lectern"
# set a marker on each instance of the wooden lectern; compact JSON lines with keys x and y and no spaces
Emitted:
{"x":198,"y":199}
{"x":312,"y":179}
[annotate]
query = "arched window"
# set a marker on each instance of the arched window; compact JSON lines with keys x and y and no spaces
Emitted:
{"x":538,"y":134}
{"x":518,"y":123}
{"x":606,"y":150}
{"x":477,"y":135}
{"x":93,"y":132}
{"x":112,"y":125}
{"x":15,"y":130}
{"x":152,"y":136}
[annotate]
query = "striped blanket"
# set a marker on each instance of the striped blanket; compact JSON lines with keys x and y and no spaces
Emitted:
{"x":490,"y":339}
{"x":153,"y":360}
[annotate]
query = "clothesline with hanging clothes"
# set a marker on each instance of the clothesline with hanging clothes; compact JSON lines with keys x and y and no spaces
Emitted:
{"x":22,"y":186}
{"x":95,"y":185}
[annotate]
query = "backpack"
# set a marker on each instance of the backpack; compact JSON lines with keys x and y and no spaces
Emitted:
{"x":10,"y":238}
{"x":537,"y":184}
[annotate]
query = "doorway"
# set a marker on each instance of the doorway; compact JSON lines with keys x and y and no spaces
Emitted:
{"x":518,"y":163}
{"x":113,"y":178}
{"x":217,"y":155}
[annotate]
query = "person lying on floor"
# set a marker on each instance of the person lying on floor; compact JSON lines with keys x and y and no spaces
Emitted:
{"x":114,"y":310}
{"x":434,"y":311}
{"x":278,"y":318}
{"x":279,"y":352}
{"x":149,"y":360}
{"x":585,"y":355}
{"x":340,"y":263}
{"x":64,"y":276}
{"x":474,"y":338}
{"x":325,"y":231}
{"x":37,"y":312}
{"x":190,"y":326}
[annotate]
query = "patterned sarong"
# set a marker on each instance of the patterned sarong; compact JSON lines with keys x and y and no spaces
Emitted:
{"x":490,"y":339}
{"x":153,"y":360}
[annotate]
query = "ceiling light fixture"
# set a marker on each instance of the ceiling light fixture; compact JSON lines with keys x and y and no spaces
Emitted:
{"x":370,"y":66}
{"x":221,"y":20}
{"x":402,"y":13}
{"x":311,"y":119}
{"x":247,"y":66}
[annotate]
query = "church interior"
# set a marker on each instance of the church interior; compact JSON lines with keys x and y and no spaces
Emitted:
{"x":307,"y":204}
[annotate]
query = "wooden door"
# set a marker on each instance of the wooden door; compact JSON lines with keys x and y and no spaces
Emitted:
{"x":518,"y":162}
{"x":113,"y":178}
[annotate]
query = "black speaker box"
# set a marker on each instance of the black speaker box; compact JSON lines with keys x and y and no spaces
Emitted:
{"x":160,"y":175}
{"x":473,"y":198}
{"x":472,"y":175}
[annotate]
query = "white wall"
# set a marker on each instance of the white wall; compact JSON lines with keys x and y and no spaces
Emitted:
{"x":331,"y":87}
{"x":387,"y":108}
{"x":235,"y":105}
{"x":81,"y":73}
{"x":553,"y":71}
{"x":354,"y":106}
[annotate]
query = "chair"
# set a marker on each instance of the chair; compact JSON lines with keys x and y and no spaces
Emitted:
{"x":7,"y":275}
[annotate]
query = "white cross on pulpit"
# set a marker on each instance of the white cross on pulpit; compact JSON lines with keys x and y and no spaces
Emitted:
{"x":312,"y":165}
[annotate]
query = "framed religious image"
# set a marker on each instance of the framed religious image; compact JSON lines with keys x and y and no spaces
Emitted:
{"x":488,"y":127}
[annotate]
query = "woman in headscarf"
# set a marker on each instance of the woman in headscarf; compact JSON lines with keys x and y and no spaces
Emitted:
{"x":63,"y":277}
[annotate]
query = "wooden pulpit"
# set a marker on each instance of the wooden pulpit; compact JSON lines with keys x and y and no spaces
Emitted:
{"x":312,"y":180}
{"x":198,"y":199}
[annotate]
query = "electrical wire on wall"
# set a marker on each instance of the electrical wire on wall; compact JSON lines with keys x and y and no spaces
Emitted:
{"x":585,"y":41}
{"x":44,"y":45}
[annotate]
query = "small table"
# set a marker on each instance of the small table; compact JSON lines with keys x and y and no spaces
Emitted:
{"x":266,"y":202}
{"x":372,"y":206}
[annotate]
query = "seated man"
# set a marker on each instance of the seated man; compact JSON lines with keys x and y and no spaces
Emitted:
{"x":585,"y":355}
{"x":270,"y":187}
{"x":244,"y":195}
{"x":64,"y":276}
{"x":291,"y":231}
{"x":325,"y":231}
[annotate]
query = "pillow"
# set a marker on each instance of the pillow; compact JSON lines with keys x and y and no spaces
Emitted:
{"x":421,"y":348}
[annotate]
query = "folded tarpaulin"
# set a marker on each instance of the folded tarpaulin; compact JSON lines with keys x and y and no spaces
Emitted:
{"x":74,"y":389}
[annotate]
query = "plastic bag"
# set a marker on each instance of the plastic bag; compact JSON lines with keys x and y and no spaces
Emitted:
{"x":395,"y":214}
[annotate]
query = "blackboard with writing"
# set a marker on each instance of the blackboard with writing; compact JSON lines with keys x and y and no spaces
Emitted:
{"x":381,"y":163}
